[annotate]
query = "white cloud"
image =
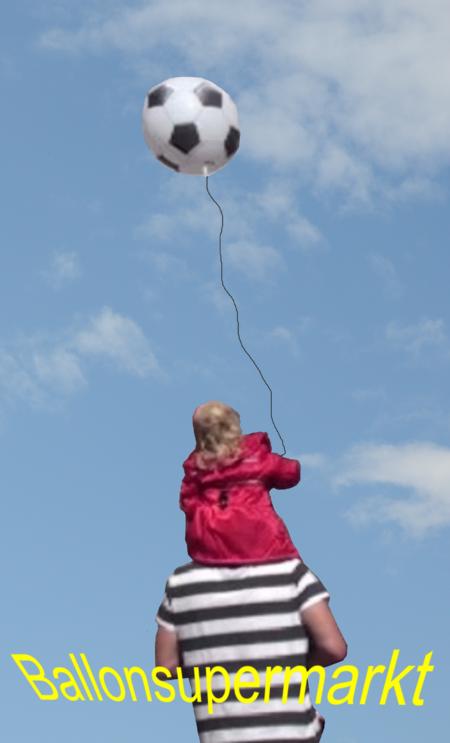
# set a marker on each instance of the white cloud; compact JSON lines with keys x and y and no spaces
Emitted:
{"x":159,"y":225}
{"x":304,"y":232}
{"x":416,"y":338}
{"x":38,"y":372}
{"x":420,"y":415}
{"x":286,"y":336}
{"x":244,"y":212}
{"x":187,"y":208}
{"x":17,"y":381}
{"x":58,"y":368}
{"x":41,"y":370}
{"x":256,"y":260}
{"x":384,"y":268}
{"x":167,"y":264}
{"x":364,"y":394}
{"x":313,"y":460}
{"x":64,"y":268}
{"x":214,"y":294}
{"x":341,"y":170}
{"x":118,"y":338}
{"x":352,"y":95}
{"x":413,"y":188}
{"x":419,"y":470}
{"x":276,"y":201}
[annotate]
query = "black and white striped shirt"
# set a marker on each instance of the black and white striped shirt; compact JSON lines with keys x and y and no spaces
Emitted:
{"x":245,"y":616}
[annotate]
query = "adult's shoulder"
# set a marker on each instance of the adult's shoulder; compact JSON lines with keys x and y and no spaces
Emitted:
{"x":185,"y":568}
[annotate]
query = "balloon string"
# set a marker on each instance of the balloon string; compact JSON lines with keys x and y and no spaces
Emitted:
{"x":237,"y":317}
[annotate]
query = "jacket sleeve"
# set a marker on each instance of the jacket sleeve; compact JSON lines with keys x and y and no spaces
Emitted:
{"x":188,"y":494}
{"x":282,"y":472}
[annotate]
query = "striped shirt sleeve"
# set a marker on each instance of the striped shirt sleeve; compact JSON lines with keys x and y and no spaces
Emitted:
{"x":310,"y":589}
{"x":165,"y":616}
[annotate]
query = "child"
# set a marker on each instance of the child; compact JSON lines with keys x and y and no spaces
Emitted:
{"x":230,"y":519}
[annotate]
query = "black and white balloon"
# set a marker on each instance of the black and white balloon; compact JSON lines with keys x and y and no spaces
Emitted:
{"x":191,"y":125}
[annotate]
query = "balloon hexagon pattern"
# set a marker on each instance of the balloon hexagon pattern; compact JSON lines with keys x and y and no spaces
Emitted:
{"x":191,"y":125}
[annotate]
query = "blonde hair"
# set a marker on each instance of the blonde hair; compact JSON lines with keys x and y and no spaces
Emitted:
{"x":217,"y":429}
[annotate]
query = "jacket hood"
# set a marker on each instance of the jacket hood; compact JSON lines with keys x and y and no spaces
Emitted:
{"x":257,"y":442}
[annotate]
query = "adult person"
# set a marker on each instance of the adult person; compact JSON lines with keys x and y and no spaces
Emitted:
{"x":263,"y":616}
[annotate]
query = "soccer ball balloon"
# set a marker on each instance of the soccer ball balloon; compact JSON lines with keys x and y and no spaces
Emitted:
{"x":191,"y":125}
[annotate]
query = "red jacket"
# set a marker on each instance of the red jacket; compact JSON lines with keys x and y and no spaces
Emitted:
{"x":230,"y":518}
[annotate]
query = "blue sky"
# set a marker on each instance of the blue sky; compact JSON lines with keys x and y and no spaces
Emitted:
{"x":114,"y":327}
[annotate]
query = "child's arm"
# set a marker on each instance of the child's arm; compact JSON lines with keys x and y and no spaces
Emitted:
{"x":282,"y":472}
{"x":188,"y":494}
